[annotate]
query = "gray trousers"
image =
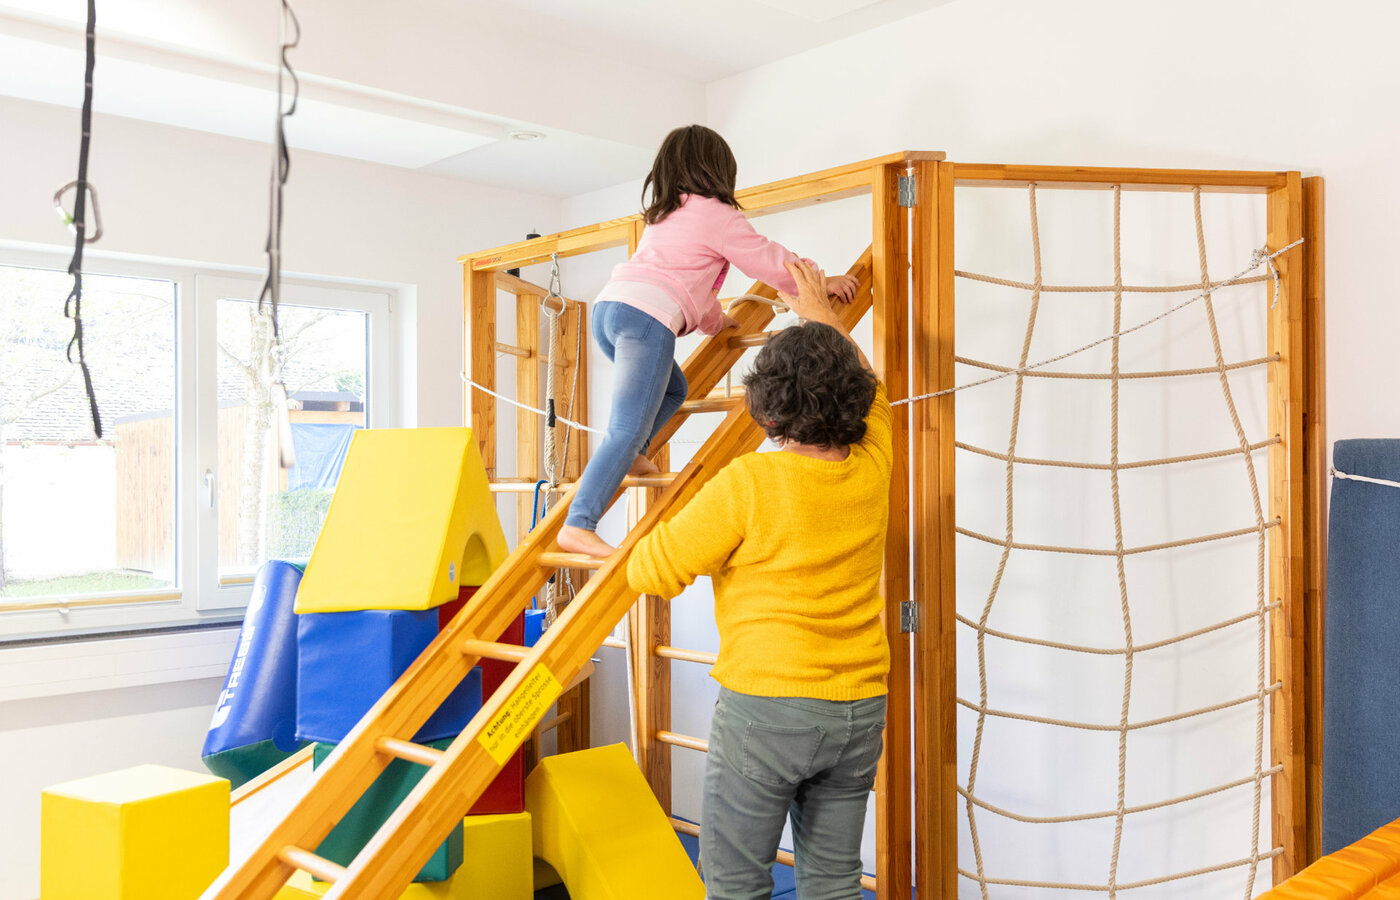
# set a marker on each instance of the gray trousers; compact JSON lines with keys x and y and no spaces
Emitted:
{"x":771,"y":757}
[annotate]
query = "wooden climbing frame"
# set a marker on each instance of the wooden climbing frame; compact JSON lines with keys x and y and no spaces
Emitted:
{"x":912,"y":251}
{"x":907,"y":281}
{"x":1295,"y":485}
{"x":883,"y":271}
{"x":531,"y":355}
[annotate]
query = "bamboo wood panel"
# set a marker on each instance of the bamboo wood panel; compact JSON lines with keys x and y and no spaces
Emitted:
{"x":1315,"y":464}
{"x":933,"y":436}
{"x":889,"y":268}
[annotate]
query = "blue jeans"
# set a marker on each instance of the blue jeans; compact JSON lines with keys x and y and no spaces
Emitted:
{"x":771,"y":757}
{"x":648,"y":388}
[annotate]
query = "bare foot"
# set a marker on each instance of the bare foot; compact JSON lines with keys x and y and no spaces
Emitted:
{"x":576,"y":540}
{"x":643,"y":466}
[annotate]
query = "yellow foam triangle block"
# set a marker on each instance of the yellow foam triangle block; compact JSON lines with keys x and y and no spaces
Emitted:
{"x":598,"y":824}
{"x":411,"y":522}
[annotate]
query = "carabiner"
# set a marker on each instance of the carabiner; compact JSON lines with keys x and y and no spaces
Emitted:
{"x":68,"y":218}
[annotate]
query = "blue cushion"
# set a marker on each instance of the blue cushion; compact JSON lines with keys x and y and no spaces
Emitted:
{"x":1361,"y":707}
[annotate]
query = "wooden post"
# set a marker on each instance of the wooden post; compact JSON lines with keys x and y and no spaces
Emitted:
{"x":932,"y":436}
{"x":889,"y":274}
{"x":528,"y":427}
{"x":479,"y":290}
{"x":1286,"y":558}
{"x":1316,"y":457}
{"x":651,"y":627}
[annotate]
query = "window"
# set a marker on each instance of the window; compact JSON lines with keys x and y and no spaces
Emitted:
{"x":165,"y":520}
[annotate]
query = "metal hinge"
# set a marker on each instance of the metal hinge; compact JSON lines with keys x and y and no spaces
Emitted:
{"x":908,"y":617}
{"x":907,"y":186}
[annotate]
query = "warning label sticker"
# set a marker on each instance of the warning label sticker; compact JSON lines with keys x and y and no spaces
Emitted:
{"x":519,"y":714}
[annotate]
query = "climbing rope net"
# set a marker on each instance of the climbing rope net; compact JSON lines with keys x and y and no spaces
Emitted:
{"x":998,"y":823}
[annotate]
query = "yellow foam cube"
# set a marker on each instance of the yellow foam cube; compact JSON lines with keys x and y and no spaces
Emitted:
{"x":144,"y":833}
{"x":598,"y":824}
{"x":497,"y":864}
{"x":411,"y":522}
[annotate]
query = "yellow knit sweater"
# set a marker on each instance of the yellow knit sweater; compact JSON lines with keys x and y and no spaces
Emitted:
{"x":794,"y":546}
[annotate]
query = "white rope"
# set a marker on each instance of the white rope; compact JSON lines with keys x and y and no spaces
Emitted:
{"x":1349,"y":477}
{"x":1261,"y":257}
{"x":534,"y":409}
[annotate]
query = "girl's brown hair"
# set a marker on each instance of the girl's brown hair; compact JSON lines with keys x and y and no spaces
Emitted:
{"x":693,"y":159}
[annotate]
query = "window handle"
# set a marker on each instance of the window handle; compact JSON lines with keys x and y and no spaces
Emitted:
{"x":209,"y":487}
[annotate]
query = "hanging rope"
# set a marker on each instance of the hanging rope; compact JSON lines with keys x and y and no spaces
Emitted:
{"x":73,"y":306}
{"x":1260,"y":258}
{"x":271,"y":294}
{"x":1335,"y":473}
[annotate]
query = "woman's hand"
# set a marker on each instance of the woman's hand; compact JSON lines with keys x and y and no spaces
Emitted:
{"x":810,"y":302}
{"x":842,"y":287}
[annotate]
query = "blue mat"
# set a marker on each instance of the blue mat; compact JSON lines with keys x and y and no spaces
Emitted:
{"x":1361,"y":707}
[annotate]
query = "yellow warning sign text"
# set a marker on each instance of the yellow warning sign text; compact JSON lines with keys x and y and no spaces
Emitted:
{"x":524,"y":708}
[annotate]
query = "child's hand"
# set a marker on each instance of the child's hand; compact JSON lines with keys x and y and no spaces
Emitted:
{"x":728,"y":322}
{"x":810,"y":302}
{"x":842,"y":287}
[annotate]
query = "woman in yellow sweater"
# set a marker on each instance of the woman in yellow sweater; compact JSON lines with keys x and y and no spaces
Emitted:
{"x":794,"y":544}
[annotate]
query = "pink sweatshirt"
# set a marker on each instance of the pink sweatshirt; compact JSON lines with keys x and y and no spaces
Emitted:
{"x":681,"y":262}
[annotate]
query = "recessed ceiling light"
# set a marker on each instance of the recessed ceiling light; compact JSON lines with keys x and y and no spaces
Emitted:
{"x":521,"y":134}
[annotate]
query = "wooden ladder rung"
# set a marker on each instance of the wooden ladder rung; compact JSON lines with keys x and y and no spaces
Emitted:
{"x":513,"y":653}
{"x":712,"y":404}
{"x":659,"y":480}
{"x":683,"y":740}
{"x":414,"y":753}
{"x":751,"y":340}
{"x":553,"y":560}
{"x":695,"y":656}
{"x":318,"y":866}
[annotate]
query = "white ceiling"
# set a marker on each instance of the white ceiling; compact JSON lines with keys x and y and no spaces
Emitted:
{"x":435,"y":85}
{"x":700,"y":39}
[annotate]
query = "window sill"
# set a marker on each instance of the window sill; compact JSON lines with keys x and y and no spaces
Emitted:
{"x":98,"y":665}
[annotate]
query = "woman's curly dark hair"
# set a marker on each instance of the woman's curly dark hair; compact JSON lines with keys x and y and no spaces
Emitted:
{"x":808,"y":385}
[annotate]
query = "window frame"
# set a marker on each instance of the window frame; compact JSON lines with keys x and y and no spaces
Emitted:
{"x":197,"y":598}
{"x":215,"y":592}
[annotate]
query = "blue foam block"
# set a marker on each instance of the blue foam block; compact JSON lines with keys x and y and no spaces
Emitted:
{"x":1360,"y":728}
{"x":347,"y":660}
{"x":534,"y":626}
{"x":258,"y":703}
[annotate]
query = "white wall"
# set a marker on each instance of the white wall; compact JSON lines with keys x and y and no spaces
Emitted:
{"x":50,"y":740}
{"x":189,"y":196}
{"x":1200,"y":83}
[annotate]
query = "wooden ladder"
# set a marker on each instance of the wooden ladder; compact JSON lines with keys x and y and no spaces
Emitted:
{"x":457,"y":775}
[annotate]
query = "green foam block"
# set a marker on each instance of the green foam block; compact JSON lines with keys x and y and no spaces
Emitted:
{"x":373,"y":810}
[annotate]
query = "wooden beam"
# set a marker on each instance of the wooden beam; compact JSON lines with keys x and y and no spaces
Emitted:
{"x":479,"y":293}
{"x":1288,"y":740}
{"x":514,"y":284}
{"x":1316,"y":457}
{"x":789,"y":193}
{"x":935,"y":559}
{"x":1183,"y":180}
{"x":889,"y":278}
{"x":529,"y":430}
